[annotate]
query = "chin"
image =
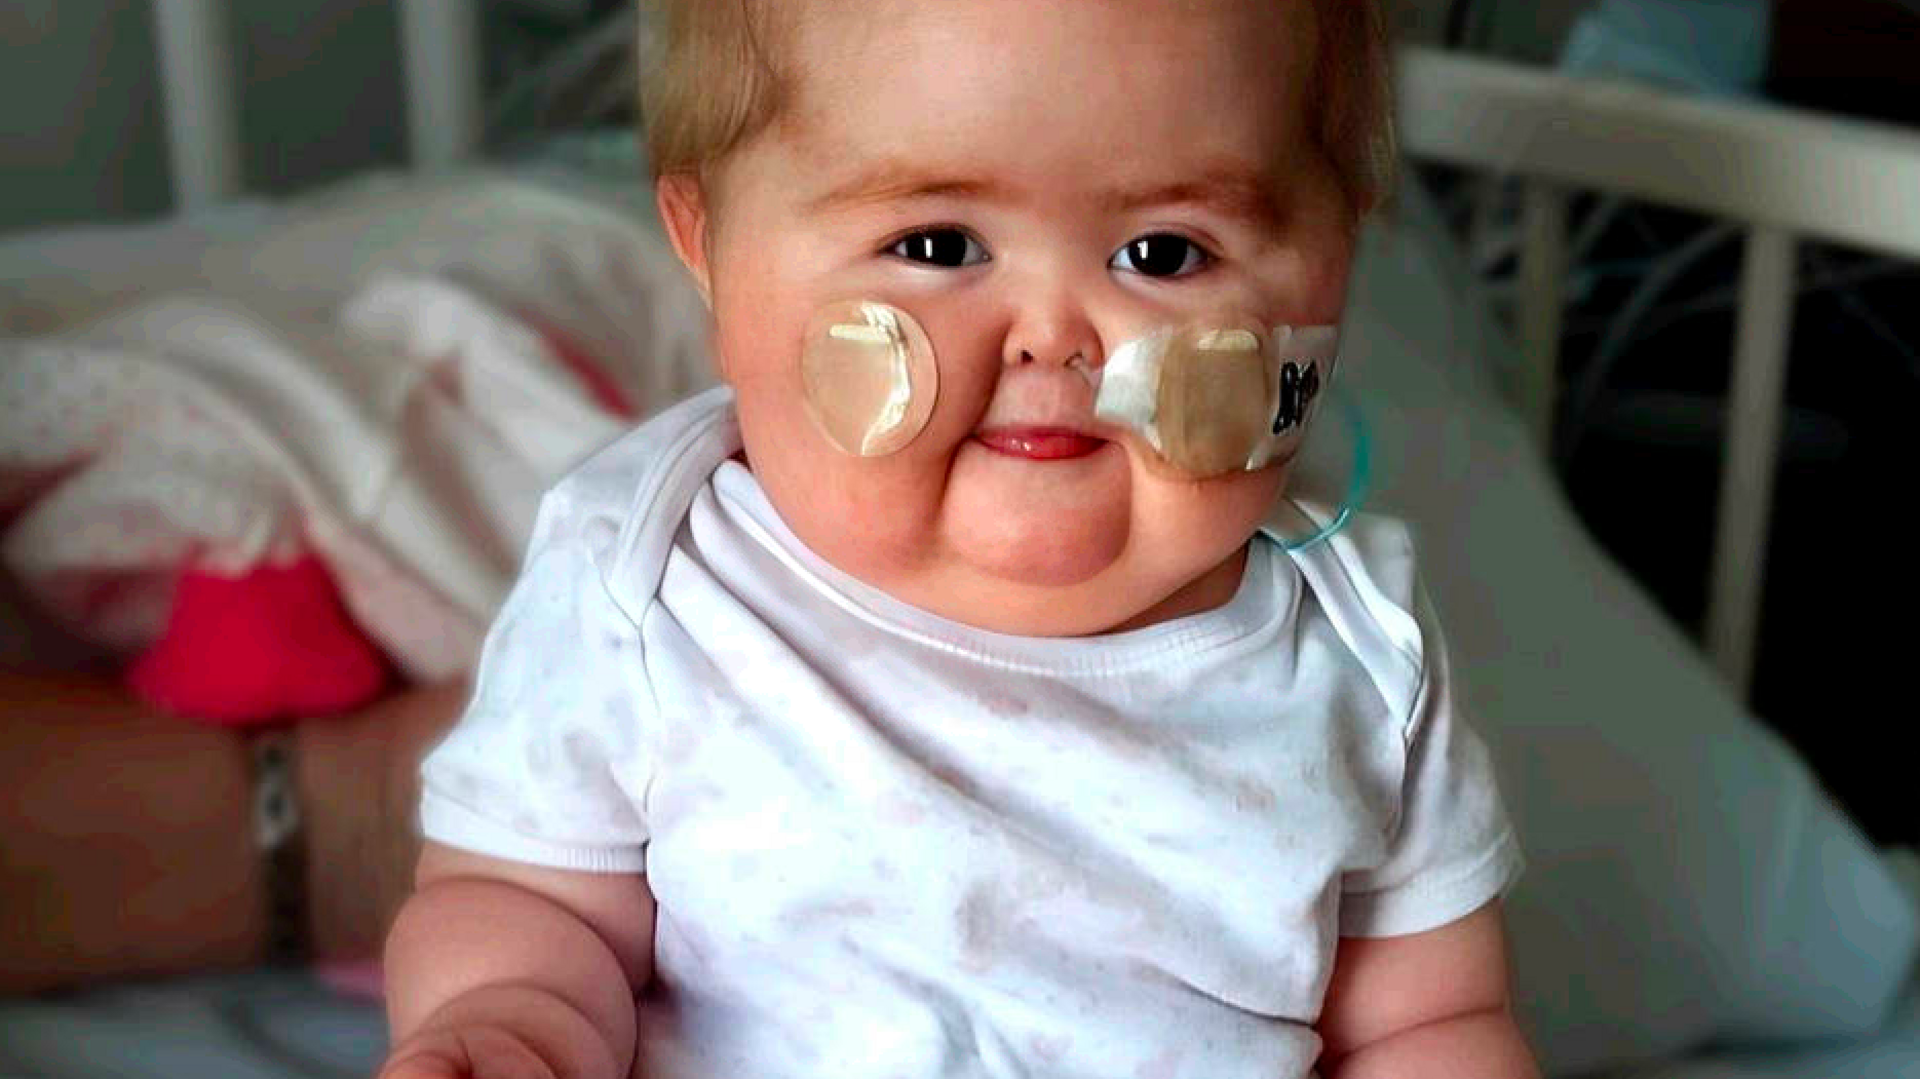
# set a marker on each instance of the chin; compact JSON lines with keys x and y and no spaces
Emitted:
{"x":1048,"y":526}
{"x":1117,"y":601}
{"x":1056,"y":584}
{"x":1040,"y":551}
{"x":999,"y":606}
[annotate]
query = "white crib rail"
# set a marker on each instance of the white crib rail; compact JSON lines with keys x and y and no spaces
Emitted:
{"x":440,"y":47}
{"x":1822,"y":177}
{"x":1784,"y":173}
{"x":203,"y":121}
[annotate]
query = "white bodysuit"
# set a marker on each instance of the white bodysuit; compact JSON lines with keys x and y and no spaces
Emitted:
{"x":885,"y":844}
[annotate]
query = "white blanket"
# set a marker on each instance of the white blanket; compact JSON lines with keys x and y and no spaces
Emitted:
{"x":372,"y":380}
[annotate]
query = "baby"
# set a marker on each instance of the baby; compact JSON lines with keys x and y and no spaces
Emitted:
{"x":950,"y":694}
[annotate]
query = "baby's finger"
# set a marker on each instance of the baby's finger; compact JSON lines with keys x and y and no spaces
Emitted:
{"x":482,"y":1053}
{"x":426,"y":1065}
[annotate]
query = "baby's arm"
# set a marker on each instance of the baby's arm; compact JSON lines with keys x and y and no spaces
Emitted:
{"x":1432,"y":1005}
{"x":500,"y":969}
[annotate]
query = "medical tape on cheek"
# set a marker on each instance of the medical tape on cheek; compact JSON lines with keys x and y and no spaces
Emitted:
{"x":869,"y":376}
{"x":1209,"y":400}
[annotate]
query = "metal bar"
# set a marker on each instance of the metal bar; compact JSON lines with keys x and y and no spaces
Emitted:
{"x":196,"y":77}
{"x":440,"y":47}
{"x":1817,"y":176}
{"x":1753,"y":436}
{"x":1542,"y":278}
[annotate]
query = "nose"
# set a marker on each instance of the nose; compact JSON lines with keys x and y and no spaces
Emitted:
{"x":1054,"y":331}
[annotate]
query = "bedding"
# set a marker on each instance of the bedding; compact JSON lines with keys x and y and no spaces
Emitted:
{"x":386,"y":378}
{"x":402,"y":438}
{"x":1689,"y":883}
{"x":269,"y":1024}
{"x":260,"y":1024}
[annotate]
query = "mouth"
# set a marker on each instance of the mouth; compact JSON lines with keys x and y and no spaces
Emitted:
{"x":1040,"y":443}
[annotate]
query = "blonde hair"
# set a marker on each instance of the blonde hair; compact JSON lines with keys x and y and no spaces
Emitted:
{"x":710,"y":80}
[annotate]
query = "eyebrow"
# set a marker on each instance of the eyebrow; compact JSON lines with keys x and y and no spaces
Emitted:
{"x":1230,"y":190}
{"x":894,"y":180}
{"x":1227,"y":190}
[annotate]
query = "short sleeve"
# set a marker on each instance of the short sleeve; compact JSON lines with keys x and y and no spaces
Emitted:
{"x":1453,"y":849}
{"x":551,"y":761}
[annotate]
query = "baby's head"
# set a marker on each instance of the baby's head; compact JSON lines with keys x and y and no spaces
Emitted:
{"x":1033,"y":185}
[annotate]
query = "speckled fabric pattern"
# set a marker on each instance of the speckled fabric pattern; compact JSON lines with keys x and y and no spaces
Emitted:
{"x":885,"y":844}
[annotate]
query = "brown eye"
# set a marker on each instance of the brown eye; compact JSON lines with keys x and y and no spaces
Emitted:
{"x":1162,"y":254}
{"x":949,"y":248}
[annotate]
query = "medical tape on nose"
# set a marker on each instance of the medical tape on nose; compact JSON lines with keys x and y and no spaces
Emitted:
{"x":869,"y":376}
{"x":1208,"y":400}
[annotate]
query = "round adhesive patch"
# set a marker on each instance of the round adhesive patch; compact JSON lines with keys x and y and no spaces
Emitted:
{"x":869,"y":375}
{"x":1216,"y":399}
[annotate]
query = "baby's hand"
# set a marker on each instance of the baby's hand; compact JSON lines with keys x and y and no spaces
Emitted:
{"x":476,"y":1052}
{"x":505,"y":1032}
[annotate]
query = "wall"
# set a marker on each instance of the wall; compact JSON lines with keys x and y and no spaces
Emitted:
{"x":1523,"y":29}
{"x":82,"y":129}
{"x":1531,"y":30}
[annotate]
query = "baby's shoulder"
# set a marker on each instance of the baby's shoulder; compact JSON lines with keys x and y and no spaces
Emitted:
{"x":1363,"y":578}
{"x":1371,"y":548}
{"x":642,"y":465}
{"x":622,"y":507}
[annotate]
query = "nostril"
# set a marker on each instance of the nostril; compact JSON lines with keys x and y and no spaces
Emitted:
{"x":1077,"y":361}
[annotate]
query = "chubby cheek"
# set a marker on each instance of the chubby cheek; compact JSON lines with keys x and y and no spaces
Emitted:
{"x":871,"y":517}
{"x":1305,"y":277}
{"x":1183,"y":528}
{"x":1324,"y":279}
{"x":1307,"y":285}
{"x":1325,"y":276}
{"x":877,"y":518}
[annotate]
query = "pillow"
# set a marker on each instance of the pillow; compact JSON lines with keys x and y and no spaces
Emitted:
{"x":1688,"y":880}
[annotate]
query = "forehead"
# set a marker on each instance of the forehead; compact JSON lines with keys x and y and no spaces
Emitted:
{"x":1074,"y":84}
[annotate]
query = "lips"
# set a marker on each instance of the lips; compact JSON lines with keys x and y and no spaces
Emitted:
{"x":1040,"y":443}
